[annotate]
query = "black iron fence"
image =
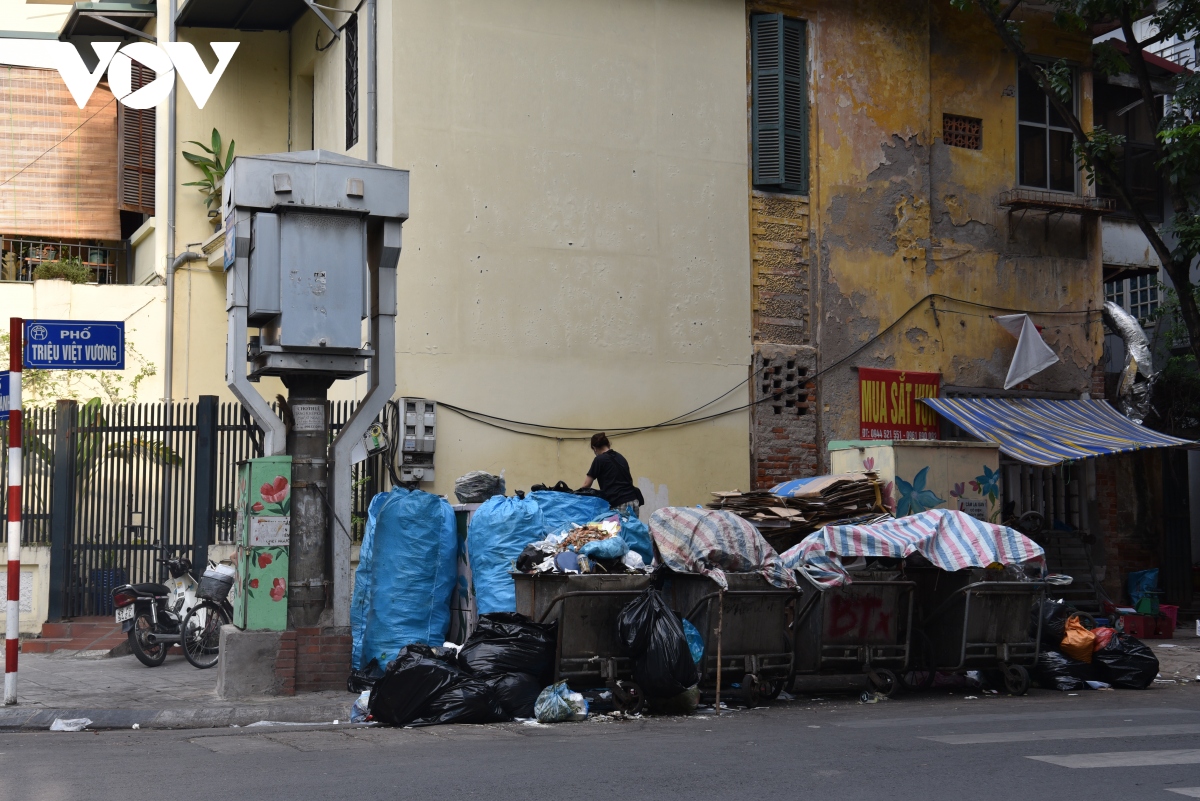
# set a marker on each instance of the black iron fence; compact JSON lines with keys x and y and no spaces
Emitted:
{"x":112,"y":489}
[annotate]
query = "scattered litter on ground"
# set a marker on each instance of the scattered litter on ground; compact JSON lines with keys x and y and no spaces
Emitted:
{"x":970,"y":697}
{"x":137,"y":726}
{"x":70,"y":724}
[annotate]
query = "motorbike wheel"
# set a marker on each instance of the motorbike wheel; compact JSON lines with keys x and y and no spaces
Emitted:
{"x":200,"y":634}
{"x":150,"y":655}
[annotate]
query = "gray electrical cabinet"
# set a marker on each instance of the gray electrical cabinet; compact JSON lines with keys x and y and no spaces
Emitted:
{"x":419,"y":419}
{"x":297,"y":228}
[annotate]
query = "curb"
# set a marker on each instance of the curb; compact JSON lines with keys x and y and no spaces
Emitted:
{"x":40,"y":718}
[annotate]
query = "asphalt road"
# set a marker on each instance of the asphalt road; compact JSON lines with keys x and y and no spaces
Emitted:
{"x":1096,"y":746}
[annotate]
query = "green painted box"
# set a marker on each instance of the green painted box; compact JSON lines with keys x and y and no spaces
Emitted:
{"x":263,"y":531}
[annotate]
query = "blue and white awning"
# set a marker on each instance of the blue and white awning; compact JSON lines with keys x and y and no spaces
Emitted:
{"x":1047,"y":432}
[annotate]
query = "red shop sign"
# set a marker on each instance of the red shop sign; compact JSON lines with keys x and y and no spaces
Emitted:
{"x":889,"y":406}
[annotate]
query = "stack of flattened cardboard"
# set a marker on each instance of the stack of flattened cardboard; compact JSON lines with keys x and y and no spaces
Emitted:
{"x":802,"y":507}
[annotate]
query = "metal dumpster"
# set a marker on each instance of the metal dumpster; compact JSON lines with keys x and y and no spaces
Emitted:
{"x":586,"y":607}
{"x":861,"y":627}
{"x":974,"y":619}
{"x":747,"y":625}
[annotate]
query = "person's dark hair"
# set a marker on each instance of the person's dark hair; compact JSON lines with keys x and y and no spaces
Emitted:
{"x":599,"y":440}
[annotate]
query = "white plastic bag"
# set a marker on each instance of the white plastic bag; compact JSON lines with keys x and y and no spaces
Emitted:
{"x":70,"y":724}
{"x":361,"y":708}
{"x":557,"y":703}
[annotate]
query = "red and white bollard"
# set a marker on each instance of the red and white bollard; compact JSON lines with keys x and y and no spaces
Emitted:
{"x":13,"y":610}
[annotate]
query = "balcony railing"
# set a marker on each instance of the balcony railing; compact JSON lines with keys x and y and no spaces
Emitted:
{"x":20,"y":257}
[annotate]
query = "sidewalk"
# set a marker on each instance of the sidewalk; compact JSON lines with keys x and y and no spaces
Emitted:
{"x":119,"y":692}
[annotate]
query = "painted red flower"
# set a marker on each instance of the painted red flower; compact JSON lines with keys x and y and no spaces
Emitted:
{"x":257,"y":507}
{"x":869,"y":463}
{"x":275,"y":491}
{"x":278,"y":589}
{"x":254,"y":584}
{"x":265,"y":559}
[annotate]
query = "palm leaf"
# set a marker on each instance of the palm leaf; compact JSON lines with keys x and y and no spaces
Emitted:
{"x":152,"y":450}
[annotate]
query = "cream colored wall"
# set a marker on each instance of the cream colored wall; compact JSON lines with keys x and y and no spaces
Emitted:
{"x":46,"y":17}
{"x":35,"y":589}
{"x":142,"y":308}
{"x":578,"y":252}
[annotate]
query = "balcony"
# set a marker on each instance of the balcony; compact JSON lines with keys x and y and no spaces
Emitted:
{"x":106,"y":261}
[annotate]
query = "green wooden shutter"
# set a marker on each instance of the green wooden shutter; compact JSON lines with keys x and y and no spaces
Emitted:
{"x":779,"y":115}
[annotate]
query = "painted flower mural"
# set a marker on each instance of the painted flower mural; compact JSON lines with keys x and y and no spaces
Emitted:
{"x":914,"y":497}
{"x":276,"y":497}
{"x":988,"y":485}
{"x":278,"y":588}
{"x":959,"y":489}
{"x":888,"y":493}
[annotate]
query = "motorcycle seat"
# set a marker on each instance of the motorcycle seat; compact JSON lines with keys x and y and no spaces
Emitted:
{"x":151,"y":589}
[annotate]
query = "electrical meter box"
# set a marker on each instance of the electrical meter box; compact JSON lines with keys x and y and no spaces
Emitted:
{"x":297,"y":228}
{"x":419,"y":439}
{"x":263,"y":530}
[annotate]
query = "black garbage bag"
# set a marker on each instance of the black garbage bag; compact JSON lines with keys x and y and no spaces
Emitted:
{"x":1054,"y":616}
{"x":516,"y":693}
{"x":466,"y":700}
{"x":652,"y":634}
{"x":1057,"y":671}
{"x":1126,"y":663}
{"x":414,"y":678}
{"x":365,"y":678}
{"x":506,"y":642}
{"x":531,"y":556}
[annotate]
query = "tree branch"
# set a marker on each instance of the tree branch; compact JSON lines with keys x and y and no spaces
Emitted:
{"x":1008,"y":12}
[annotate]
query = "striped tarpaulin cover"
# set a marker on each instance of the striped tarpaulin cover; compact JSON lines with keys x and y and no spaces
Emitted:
{"x":1046,"y":432}
{"x":950,"y":539}
{"x":714,"y":542}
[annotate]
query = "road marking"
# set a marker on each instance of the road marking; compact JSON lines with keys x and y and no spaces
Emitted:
{"x":1064,"y":734}
{"x":942,"y":720}
{"x":1124,"y":759}
{"x":1190,"y":792}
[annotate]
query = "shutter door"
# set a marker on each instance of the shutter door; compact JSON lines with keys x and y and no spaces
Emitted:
{"x":779,"y":114}
{"x":135,"y":150}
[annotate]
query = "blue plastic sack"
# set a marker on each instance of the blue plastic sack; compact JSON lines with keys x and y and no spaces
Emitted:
{"x":1141,"y":582}
{"x":499,"y":530}
{"x":637,"y":534}
{"x":695,"y":641}
{"x":406,"y":574}
{"x":561,"y":509}
{"x":611,"y":548}
{"x":557,"y":704}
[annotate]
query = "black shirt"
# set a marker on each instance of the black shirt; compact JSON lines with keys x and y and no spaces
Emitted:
{"x":616,"y":484}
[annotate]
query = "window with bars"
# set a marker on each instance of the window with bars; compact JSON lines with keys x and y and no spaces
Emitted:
{"x":1115,"y":291}
{"x":350,"y":33}
{"x":960,"y":131}
{"x":1045,"y":145}
{"x":1143,"y":297}
{"x":135,"y":150}
{"x":779,"y":102}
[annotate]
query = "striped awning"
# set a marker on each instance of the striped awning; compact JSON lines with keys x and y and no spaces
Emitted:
{"x":1047,"y":432}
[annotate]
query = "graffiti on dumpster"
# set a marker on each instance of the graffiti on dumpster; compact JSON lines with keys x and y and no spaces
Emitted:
{"x":859,"y":617}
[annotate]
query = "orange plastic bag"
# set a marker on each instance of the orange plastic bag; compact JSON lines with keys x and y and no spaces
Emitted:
{"x":1103,"y":637}
{"x":1078,"y":641}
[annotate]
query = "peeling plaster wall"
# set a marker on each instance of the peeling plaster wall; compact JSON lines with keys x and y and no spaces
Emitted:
{"x":896,"y":215}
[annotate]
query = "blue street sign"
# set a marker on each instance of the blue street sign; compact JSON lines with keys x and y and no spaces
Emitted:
{"x":74,"y":345}
{"x":4,"y":402}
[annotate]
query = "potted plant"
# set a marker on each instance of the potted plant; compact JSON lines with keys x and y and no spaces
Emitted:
{"x":213,"y":165}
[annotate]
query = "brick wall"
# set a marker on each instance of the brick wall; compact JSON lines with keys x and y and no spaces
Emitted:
{"x":783,"y":434}
{"x":783,"y":431}
{"x":1128,"y":487}
{"x":312,"y":660}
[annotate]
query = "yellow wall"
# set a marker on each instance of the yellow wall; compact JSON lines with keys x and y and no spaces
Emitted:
{"x":897,"y":215}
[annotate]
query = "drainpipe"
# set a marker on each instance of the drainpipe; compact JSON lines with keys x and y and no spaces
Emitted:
{"x":180,"y":260}
{"x":372,"y":81}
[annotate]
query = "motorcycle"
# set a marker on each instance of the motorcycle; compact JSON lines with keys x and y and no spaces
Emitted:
{"x":157,"y":616}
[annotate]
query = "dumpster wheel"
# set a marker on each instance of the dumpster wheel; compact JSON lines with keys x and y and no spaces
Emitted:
{"x":628,"y":697}
{"x":883,"y":681}
{"x":1016,"y":679}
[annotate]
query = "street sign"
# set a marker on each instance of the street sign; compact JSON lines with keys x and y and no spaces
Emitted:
{"x":74,"y":345}
{"x":4,"y":404}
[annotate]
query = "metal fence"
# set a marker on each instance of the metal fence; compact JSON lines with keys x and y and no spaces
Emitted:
{"x":114,"y":488}
{"x":38,"y":448}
